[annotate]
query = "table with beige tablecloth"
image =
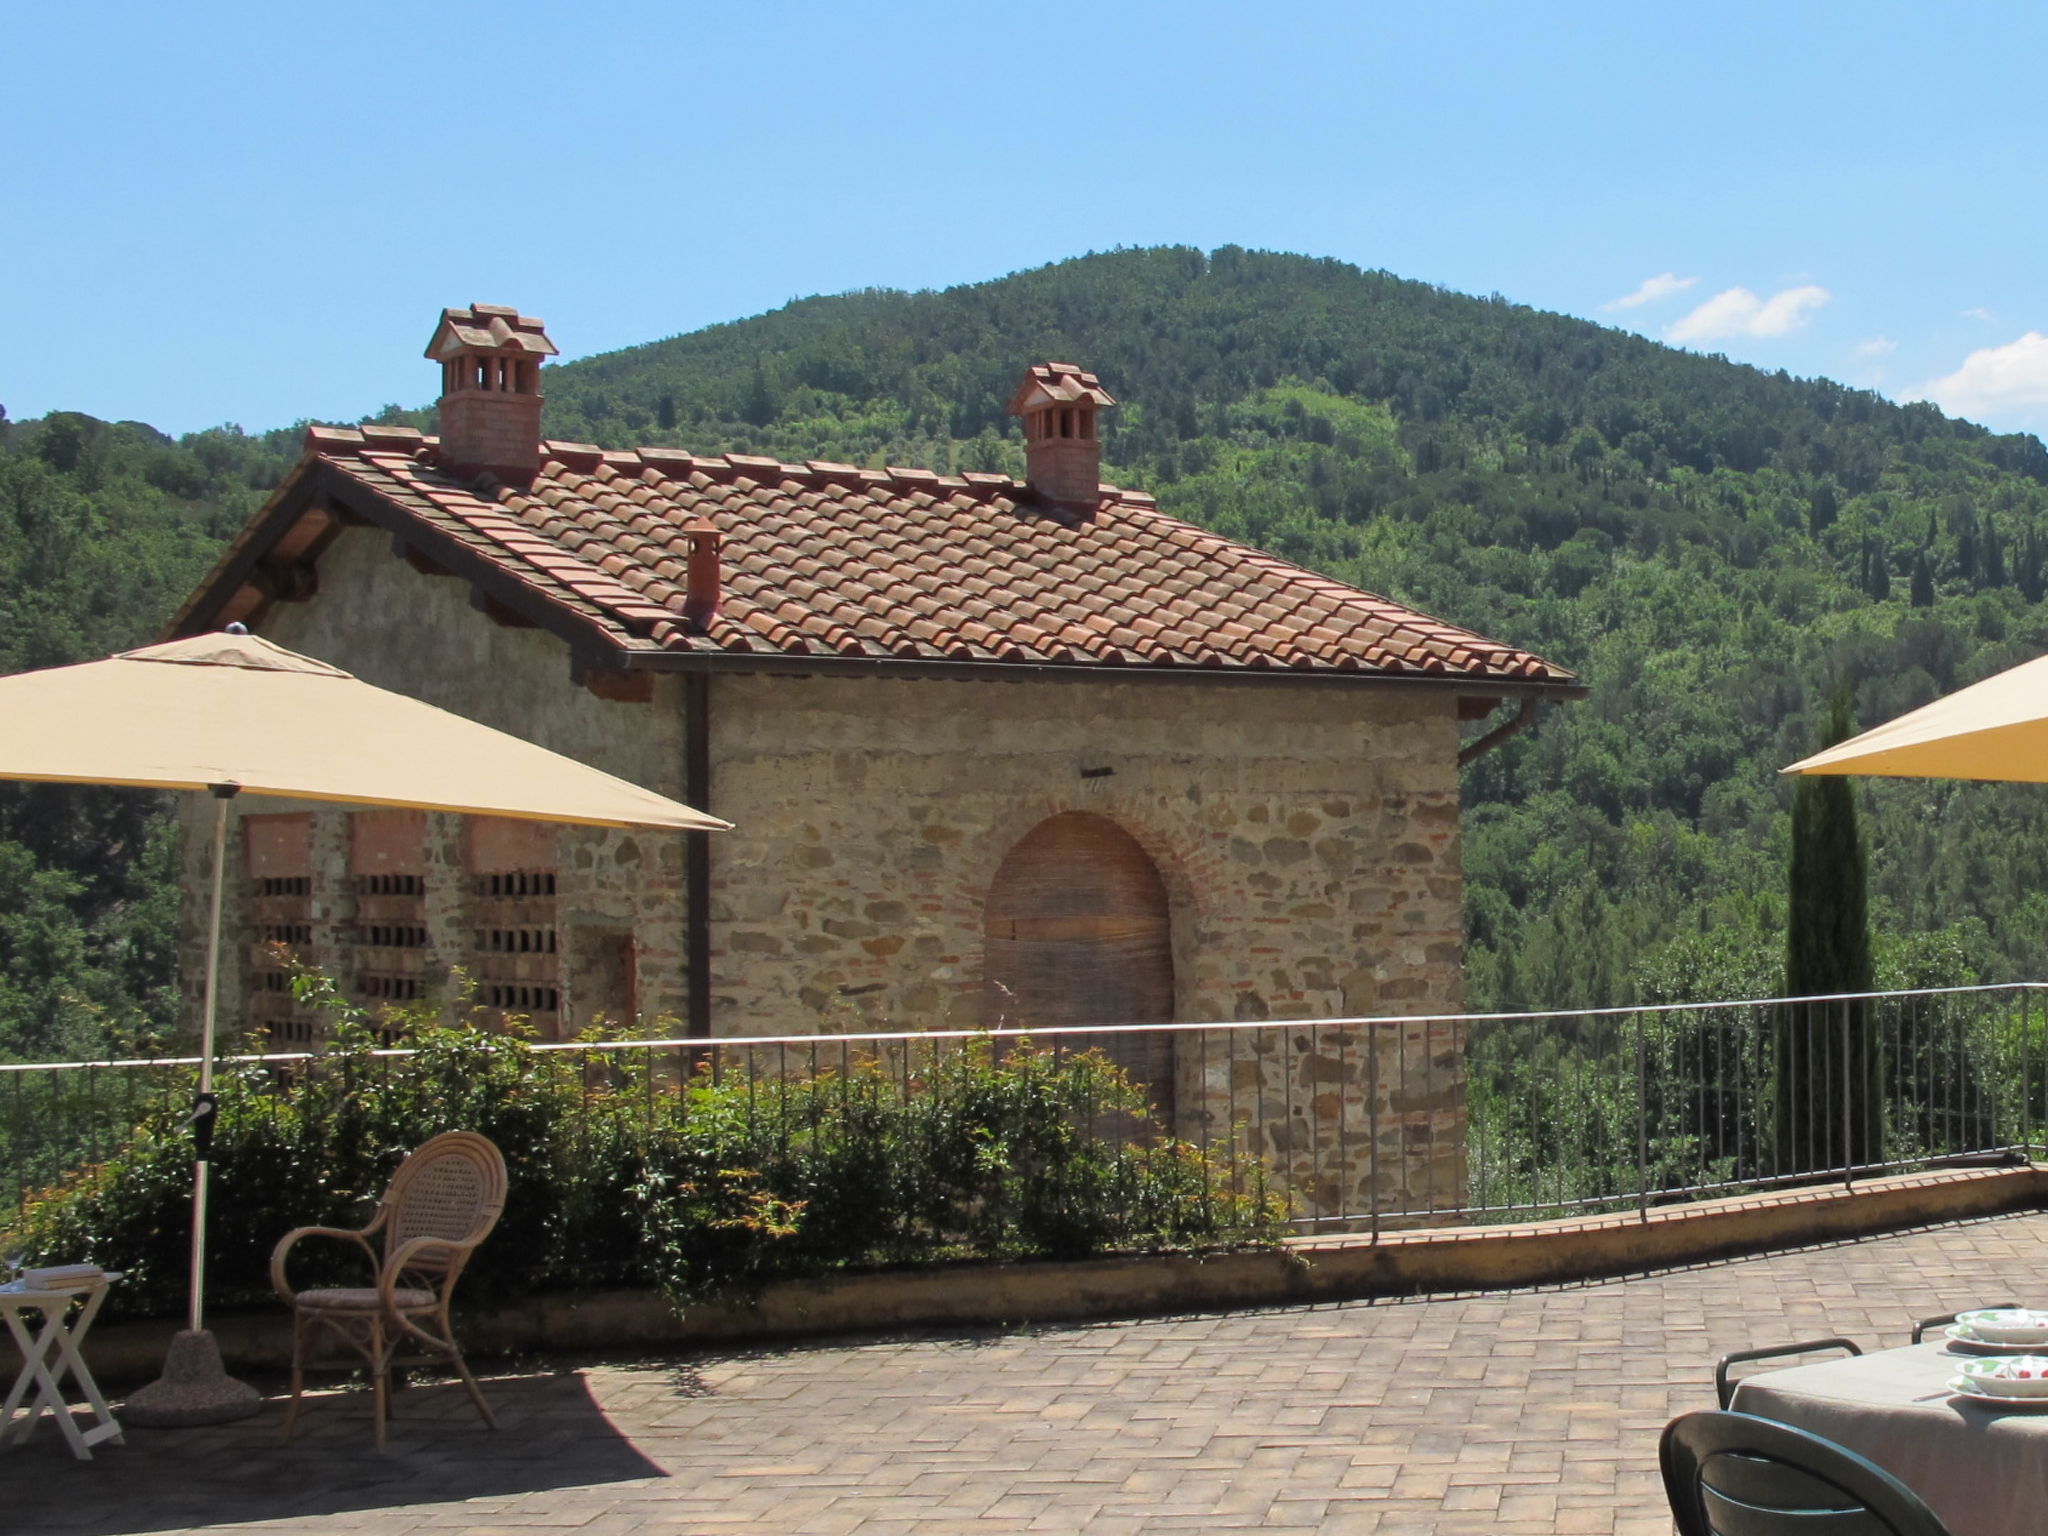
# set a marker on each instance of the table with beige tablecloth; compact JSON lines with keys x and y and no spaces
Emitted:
{"x":1981,"y":1468}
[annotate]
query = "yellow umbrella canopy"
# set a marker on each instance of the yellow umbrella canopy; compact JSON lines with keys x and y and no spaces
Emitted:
{"x":235,"y":714}
{"x":227,"y":709}
{"x":1996,"y":729}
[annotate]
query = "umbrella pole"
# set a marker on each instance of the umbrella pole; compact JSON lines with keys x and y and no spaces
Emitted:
{"x":204,"y":1108}
{"x":195,"y":1388}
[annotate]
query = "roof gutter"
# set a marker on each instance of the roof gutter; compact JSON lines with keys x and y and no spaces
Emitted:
{"x":1524,"y":717}
{"x":654,"y":660}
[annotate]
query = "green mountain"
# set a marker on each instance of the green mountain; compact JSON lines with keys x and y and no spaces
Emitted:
{"x":104,"y":528}
{"x":1716,"y":549}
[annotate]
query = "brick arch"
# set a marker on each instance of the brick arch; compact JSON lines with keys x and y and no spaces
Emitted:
{"x":1179,"y":853}
{"x":1077,"y":928}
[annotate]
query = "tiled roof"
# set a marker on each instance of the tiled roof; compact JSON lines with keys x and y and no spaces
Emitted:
{"x":1058,"y":384}
{"x":491,"y":327}
{"x":822,"y":559}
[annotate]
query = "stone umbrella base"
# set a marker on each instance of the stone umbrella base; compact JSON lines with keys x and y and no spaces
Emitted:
{"x":194,"y":1389}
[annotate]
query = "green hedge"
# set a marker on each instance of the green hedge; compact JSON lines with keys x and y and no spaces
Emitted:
{"x":624,"y":1174}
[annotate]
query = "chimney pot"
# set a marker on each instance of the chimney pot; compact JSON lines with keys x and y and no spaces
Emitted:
{"x":1062,"y":449}
{"x":701,"y":591}
{"x":490,"y":359}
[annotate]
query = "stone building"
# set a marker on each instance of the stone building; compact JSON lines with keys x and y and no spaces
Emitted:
{"x":994,"y":752}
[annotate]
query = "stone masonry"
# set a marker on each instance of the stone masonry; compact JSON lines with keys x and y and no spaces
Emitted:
{"x":1307,"y":839}
{"x":1022,"y":754}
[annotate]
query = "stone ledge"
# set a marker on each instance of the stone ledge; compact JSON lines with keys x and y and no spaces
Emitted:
{"x":1306,"y":1270}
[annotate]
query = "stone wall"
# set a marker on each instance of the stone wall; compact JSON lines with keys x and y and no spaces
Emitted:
{"x":1307,"y":839}
{"x":379,"y":618}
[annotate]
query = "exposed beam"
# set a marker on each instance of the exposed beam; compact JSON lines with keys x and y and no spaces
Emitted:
{"x":286,"y":581}
{"x":621,"y":687}
{"x":498,"y":612}
{"x":413,"y":556}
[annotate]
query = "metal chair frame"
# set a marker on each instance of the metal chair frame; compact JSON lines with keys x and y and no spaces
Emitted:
{"x":442,"y":1202}
{"x":1920,"y":1328}
{"x":1724,"y":1389}
{"x":1733,"y":1474}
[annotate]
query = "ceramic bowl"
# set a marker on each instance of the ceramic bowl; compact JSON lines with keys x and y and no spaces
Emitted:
{"x":2007,"y":1325}
{"x":2016,"y":1376}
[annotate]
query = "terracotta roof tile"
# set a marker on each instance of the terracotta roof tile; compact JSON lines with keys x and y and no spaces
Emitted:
{"x":492,"y":327}
{"x":828,"y":558}
{"x":1058,"y":383}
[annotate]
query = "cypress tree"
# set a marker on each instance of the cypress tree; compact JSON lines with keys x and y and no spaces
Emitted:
{"x":1822,"y":507}
{"x":1827,"y":1085}
{"x":2030,"y":570}
{"x":1877,"y":578}
{"x":762,"y":404}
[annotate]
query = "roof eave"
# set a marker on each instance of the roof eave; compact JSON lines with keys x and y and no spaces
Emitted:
{"x":246,"y":552}
{"x":318,"y":479}
{"x":1471,"y":684}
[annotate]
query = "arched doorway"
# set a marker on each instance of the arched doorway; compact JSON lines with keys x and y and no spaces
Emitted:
{"x":1076,"y":931}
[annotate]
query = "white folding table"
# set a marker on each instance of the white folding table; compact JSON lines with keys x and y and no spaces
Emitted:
{"x":49,"y":1353}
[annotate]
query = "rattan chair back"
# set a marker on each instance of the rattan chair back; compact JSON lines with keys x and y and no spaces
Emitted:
{"x":452,"y":1187}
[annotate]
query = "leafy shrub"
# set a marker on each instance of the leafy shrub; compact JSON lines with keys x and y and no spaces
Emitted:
{"x":704,"y":1183}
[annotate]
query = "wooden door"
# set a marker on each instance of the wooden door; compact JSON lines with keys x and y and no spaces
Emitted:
{"x":1076,"y":931}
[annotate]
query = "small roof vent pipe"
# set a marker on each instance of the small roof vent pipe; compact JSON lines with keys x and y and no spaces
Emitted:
{"x":702,"y":581}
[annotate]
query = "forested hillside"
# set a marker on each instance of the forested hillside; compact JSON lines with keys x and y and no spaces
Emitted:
{"x":1713,"y":548}
{"x":104,"y":527}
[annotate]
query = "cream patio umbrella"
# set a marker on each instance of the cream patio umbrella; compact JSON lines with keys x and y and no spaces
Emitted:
{"x":1996,"y":729}
{"x":233,"y":713}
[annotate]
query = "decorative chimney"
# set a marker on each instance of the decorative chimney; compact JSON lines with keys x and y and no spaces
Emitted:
{"x":1062,"y":454}
{"x":490,"y":390}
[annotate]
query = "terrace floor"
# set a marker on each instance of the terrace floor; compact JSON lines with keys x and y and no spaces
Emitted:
{"x":1527,"y":1411}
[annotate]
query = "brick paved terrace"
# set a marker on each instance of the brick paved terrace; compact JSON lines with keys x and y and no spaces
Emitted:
{"x":1527,"y":1411}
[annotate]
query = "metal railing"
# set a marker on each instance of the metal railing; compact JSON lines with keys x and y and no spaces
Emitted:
{"x":1360,"y":1123}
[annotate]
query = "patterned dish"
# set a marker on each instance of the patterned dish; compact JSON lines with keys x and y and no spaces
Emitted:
{"x":2014,"y":1376}
{"x":2006,"y":1325}
{"x":1962,"y":1338}
{"x":1962,"y":1387}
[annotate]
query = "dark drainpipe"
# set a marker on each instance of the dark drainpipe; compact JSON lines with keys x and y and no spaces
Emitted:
{"x":700,"y":607}
{"x":1473,"y":750}
{"x":697,"y":852}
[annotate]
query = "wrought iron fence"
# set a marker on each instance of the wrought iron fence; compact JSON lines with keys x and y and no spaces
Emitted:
{"x":1361,"y":1123}
{"x":1618,"y":1107}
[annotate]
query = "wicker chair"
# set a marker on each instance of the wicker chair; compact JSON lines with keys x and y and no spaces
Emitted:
{"x":443,"y":1201}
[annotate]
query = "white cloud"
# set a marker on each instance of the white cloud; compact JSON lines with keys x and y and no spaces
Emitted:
{"x":1662,"y":286}
{"x":1738,"y":312}
{"x":1877,"y":346}
{"x":2009,"y":381}
{"x":1979,"y":314}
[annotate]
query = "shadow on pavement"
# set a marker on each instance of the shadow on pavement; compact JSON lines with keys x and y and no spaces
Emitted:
{"x":552,"y":1435}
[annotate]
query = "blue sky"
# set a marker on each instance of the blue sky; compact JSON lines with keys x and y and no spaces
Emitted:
{"x":253,"y":213}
